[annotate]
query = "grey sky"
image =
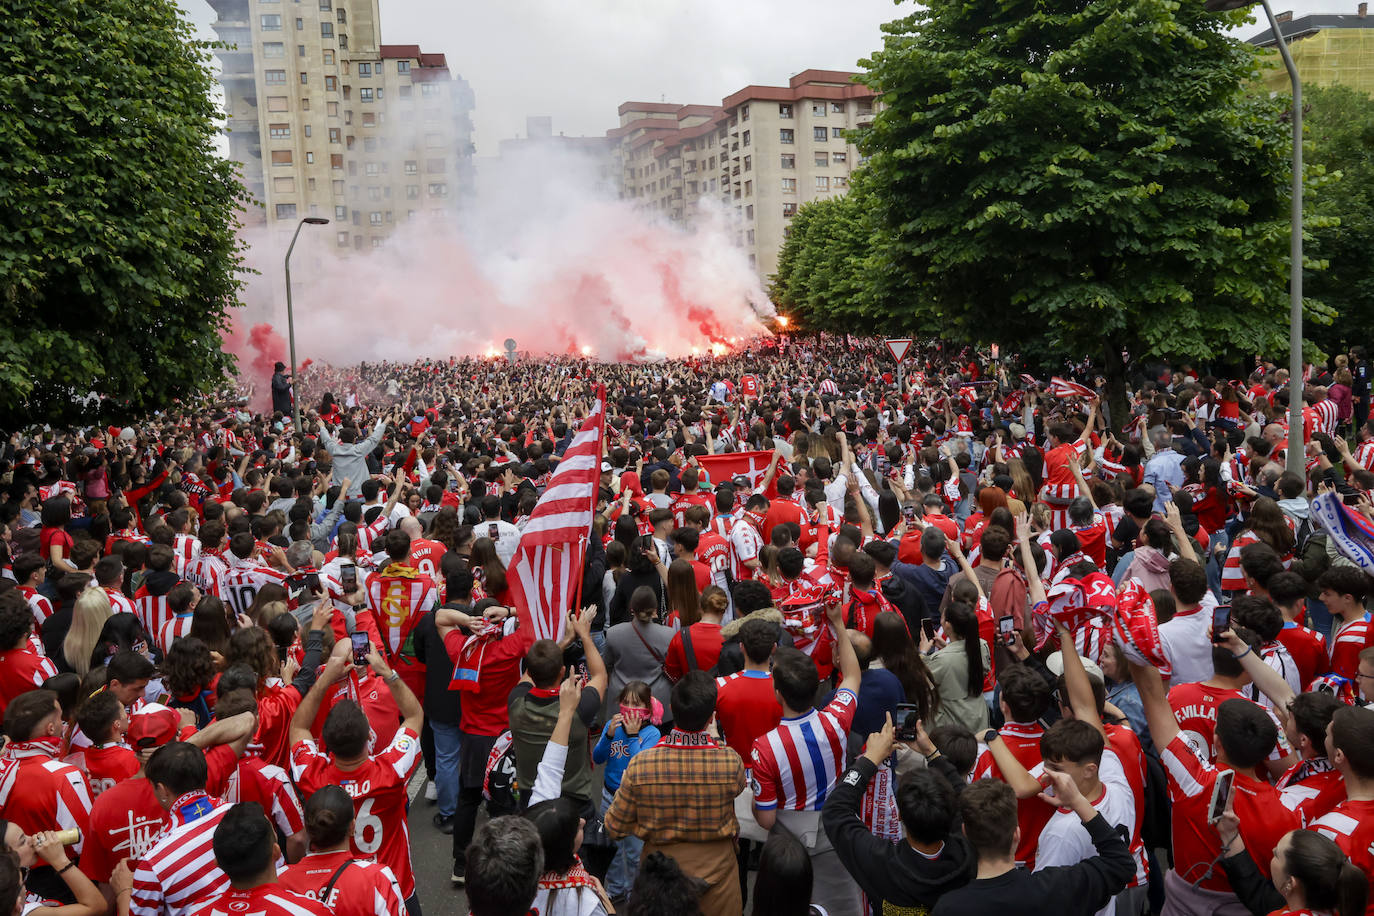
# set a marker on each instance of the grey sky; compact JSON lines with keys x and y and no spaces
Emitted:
{"x":578,"y":61}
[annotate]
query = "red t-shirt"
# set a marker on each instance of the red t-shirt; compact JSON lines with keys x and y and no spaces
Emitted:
{"x":263,"y":900}
{"x":1057,"y":461}
{"x":706,"y":643}
{"x":747,"y":709}
{"x":276,"y":706}
{"x":1351,"y":825}
{"x":779,"y":511}
{"x":1093,"y":541}
{"x":1308,"y":650}
{"x":484,"y":710}
{"x":58,"y":536}
{"x":108,"y":765}
{"x":685,"y":501}
{"x":426,"y":555}
{"x":362,"y":889}
{"x":378,"y":790}
{"x":1195,"y":707}
{"x":1263,"y":817}
{"x":21,"y":670}
{"x":1023,"y":740}
{"x":1347,"y":644}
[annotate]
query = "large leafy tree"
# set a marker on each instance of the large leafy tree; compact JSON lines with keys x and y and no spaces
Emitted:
{"x":118,"y":250}
{"x":1076,"y":179}
{"x":1339,"y":122}
{"x":820,"y":267}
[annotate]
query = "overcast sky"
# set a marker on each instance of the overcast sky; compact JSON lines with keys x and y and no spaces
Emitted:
{"x":578,"y":61}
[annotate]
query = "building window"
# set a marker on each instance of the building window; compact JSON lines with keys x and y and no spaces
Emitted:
{"x":405,"y":92}
{"x":749,"y":236}
{"x":273,"y":49}
{"x":839,"y":158}
{"x":837,"y":133}
{"x":329,"y":56}
{"x":338,"y":187}
{"x":300,"y":24}
{"x":789,"y":186}
{"x":374,"y":192}
{"x":378,"y":243}
{"x":305,"y":104}
{"x":817,"y":109}
{"x":822,"y":183}
{"x":307,"y":130}
{"x":375,"y":217}
{"x":839,"y":182}
{"x":340,"y":212}
{"x":438,"y":189}
{"x":286,"y":211}
{"x":365,"y":95}
{"x":747,"y":162}
{"x":331,"y":83}
{"x":274,"y":77}
{"x":326,"y":30}
{"x":748,"y":189}
{"x":276,"y":103}
{"x":369,"y":119}
{"x":300,"y":50}
{"x":402,"y":66}
{"x":270,"y":22}
{"x":785,"y":135}
{"x":433,"y":166}
{"x":412,"y":167}
{"x":305,"y":79}
{"x":784,"y":110}
{"x":789,"y":210}
{"x":789,"y":161}
{"x":370,"y":169}
{"x":310,"y":158}
{"x":434,"y":141}
{"x":819,"y":134}
{"x":335,"y":135}
{"x":336,"y":162}
{"x":746,"y":138}
{"x":279,"y":131}
{"x":281,"y":157}
{"x":430,"y":90}
{"x":370,"y":144}
{"x":380,"y":93}
{"x":744,"y":112}
{"x":331,"y":109}
{"x":412,"y":192}
{"x":341,"y":237}
{"x":364,"y":68}
{"x":284,"y":185}
{"x":822,"y":160}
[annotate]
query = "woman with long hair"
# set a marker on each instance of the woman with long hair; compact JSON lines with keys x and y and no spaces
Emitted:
{"x":957,"y":670}
{"x":444,"y":528}
{"x":269,"y":595}
{"x":122,"y":633}
{"x":22,"y":853}
{"x":786,"y":877}
{"x":1211,"y":503}
{"x":1266,"y":524}
{"x":894,"y":649}
{"x":1309,"y":874}
{"x":683,"y":601}
{"x":566,"y":888}
{"x":188,"y":672}
{"x":88,"y":619}
{"x":1022,"y":486}
{"x":210,"y":624}
{"x":55,"y":542}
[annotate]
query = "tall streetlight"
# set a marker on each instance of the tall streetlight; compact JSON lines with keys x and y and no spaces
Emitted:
{"x":291,"y":319}
{"x":1296,"y":458}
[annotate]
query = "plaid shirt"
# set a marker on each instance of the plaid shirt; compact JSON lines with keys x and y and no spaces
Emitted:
{"x":681,"y":790}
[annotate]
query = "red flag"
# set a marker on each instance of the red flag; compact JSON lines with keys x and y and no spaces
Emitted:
{"x":546,"y":572}
{"x":1063,"y":388}
{"x":753,"y":465}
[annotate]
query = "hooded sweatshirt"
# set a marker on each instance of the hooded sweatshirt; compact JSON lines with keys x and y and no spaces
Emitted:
{"x":894,"y":873}
{"x":1151,"y":567}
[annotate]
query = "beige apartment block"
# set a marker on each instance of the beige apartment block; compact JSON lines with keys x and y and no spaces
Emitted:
{"x":761,"y":154}
{"x":328,"y":121}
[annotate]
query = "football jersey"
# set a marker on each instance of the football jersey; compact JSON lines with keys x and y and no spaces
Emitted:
{"x":108,"y":765}
{"x":364,"y":888}
{"x":685,"y":501}
{"x":426,"y":556}
{"x":1308,"y":649}
{"x":126,"y":821}
{"x":1351,"y":825}
{"x":179,"y":874}
{"x":185,"y":551}
{"x":796,"y":764}
{"x":1263,"y":817}
{"x":1347,"y":643}
{"x":42,"y":608}
{"x":746,"y":710}
{"x":746,"y":543}
{"x":263,"y":900}
{"x":38,"y":792}
{"x":205,"y":570}
{"x":378,"y":790}
{"x":397,"y":603}
{"x":1232,"y":575}
{"x":120,"y":603}
{"x":1311,"y":787}
{"x":1195,"y":707}
{"x":716,"y":552}
{"x":254,"y":780}
{"x":239,"y":585}
{"x":173,"y":629}
{"x":1023,"y":740}
{"x":21,"y":670}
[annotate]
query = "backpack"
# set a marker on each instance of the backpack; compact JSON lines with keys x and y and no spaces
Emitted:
{"x":500,"y":785}
{"x":1303,"y":532}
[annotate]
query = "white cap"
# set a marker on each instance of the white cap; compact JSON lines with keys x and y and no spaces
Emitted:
{"x":1056,"y":665}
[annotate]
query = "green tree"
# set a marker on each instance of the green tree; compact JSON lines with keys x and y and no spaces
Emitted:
{"x":1078,"y":179}
{"x":820,"y":267}
{"x":1339,"y":123}
{"x":118,"y":250}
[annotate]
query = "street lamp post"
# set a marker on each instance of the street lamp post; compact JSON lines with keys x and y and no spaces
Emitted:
{"x":1296,"y":458}
{"x":291,"y":319}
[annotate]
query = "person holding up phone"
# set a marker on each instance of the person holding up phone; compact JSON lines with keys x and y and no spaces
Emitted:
{"x":1245,"y":737}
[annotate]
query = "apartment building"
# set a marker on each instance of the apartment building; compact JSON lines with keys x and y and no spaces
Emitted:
{"x":760,"y":154}
{"x":1329,"y":50}
{"x":328,"y":121}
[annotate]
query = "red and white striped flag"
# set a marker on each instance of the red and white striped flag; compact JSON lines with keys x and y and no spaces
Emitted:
{"x":1063,"y":388}
{"x":546,"y":572}
{"x":1028,"y":379}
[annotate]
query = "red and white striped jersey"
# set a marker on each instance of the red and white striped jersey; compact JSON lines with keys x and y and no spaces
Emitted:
{"x":185,"y":551}
{"x":1327,"y":413}
{"x":175,"y":628}
{"x":21,"y":670}
{"x":241,"y":582}
{"x":796,"y":764}
{"x":1232,"y":576}
{"x":1311,"y":787}
{"x":152,"y":611}
{"x":1348,"y":642}
{"x":398,"y":597}
{"x":747,"y":542}
{"x":364,"y":888}
{"x":1364,"y":454}
{"x":179,"y":874}
{"x":40,"y":792}
{"x":42,"y":608}
{"x":120,"y":603}
{"x":829,"y":387}
{"x":205,"y":571}
{"x":367,"y":534}
{"x":378,"y":790}
{"x":263,"y":900}
{"x":255,"y":780}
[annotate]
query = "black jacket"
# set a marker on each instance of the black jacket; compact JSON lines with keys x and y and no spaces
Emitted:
{"x":441,"y":704}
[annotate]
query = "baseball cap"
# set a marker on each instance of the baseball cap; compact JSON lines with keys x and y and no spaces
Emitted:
{"x":153,"y":726}
{"x":1017,"y":431}
{"x":606,"y":466}
{"x":1055,"y":662}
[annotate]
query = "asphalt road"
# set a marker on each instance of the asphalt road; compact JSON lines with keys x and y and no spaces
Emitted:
{"x":431,"y":855}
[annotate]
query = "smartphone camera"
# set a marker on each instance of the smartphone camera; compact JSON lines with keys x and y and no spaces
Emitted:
{"x":1221,"y":621}
{"x":348,"y":577}
{"x":1006,"y":629}
{"x":908,"y":721}
{"x":361,"y":646}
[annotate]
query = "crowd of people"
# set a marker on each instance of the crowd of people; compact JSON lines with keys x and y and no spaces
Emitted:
{"x":841,"y":646}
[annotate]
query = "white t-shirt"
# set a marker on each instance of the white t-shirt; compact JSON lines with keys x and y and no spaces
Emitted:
{"x":1187,"y":643}
{"x":1065,"y":841}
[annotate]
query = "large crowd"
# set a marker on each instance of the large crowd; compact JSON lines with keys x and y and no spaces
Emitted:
{"x":839,"y":646}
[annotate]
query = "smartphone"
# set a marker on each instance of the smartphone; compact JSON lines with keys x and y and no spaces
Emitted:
{"x":348,"y":577}
{"x":909,"y":513}
{"x":928,"y":626}
{"x":361,"y":646}
{"x":163,"y":698}
{"x":906,"y":721}
{"x":1221,"y":794}
{"x":312,"y":582}
{"x":1006,"y":629}
{"x":491,"y":532}
{"x":1221,"y":621}
{"x":1351,"y":499}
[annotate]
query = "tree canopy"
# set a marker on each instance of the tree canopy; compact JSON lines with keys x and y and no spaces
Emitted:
{"x":118,"y":250}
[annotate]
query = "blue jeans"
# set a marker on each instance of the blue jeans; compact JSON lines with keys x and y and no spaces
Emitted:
{"x":621,"y":876}
{"x":447,"y":740}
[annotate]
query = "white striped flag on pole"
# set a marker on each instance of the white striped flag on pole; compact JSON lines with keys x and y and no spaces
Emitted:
{"x":1063,"y":388}
{"x":546,"y":572}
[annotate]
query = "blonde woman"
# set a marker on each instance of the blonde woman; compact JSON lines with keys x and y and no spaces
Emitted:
{"x":88,"y":618}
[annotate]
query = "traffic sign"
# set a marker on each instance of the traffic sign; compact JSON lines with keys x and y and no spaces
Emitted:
{"x":899,"y":347}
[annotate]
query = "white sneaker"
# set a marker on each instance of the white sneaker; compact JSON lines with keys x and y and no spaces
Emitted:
{"x":431,"y":791}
